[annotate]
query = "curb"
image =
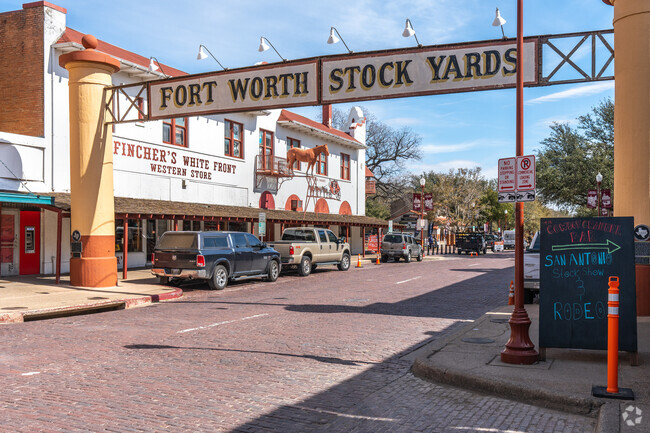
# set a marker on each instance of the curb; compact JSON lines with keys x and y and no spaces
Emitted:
{"x":19,"y":316}
{"x":509,"y":390}
{"x":607,"y":420}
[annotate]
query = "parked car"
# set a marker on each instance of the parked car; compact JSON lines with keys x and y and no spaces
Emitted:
{"x":400,"y":246}
{"x":217,"y":257}
{"x":531,"y":270}
{"x":509,"y":239}
{"x":470,"y":242}
{"x":308,"y":247}
{"x":490,"y":241}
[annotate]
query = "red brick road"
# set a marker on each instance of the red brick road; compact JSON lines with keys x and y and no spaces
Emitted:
{"x":324,"y":353}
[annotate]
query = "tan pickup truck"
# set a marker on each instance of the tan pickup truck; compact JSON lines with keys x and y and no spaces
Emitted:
{"x":307,"y":247}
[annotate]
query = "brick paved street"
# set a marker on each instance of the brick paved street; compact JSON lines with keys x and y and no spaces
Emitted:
{"x":326,"y":353}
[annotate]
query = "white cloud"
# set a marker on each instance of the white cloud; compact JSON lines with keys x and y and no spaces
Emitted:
{"x":459,"y":147}
{"x":403,"y":121}
{"x":575,"y":92}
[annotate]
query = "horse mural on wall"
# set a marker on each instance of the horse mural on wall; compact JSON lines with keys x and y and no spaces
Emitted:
{"x":310,"y":156}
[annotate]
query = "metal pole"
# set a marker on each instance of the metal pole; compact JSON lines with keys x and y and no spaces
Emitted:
{"x":599,"y":213}
{"x":519,"y":349}
{"x":422,"y":222}
{"x":125,"y":244}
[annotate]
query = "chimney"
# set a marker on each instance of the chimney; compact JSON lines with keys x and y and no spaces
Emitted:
{"x":327,"y":115}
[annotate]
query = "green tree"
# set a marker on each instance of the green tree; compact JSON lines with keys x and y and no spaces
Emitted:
{"x":570,"y":159}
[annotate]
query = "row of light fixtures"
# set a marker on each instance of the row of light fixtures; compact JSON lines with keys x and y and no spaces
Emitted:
{"x":334,"y":38}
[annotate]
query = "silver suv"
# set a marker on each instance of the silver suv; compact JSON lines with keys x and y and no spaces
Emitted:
{"x":400,"y":245}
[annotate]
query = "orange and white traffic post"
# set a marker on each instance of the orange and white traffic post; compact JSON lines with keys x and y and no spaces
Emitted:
{"x":511,"y":295}
{"x":359,"y":261}
{"x":612,"y":390}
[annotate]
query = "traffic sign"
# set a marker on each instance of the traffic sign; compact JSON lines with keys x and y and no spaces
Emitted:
{"x":262,"y":223}
{"x":525,"y":173}
{"x":526,"y":195}
{"x":507,"y":197}
{"x":507,"y":179}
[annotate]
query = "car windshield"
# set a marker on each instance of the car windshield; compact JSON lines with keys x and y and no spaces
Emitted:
{"x":536,"y":244}
{"x":393,"y":239}
{"x":177,"y":241}
{"x":298,"y":235}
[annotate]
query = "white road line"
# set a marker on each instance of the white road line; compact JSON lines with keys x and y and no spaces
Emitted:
{"x":410,"y":279}
{"x":221,"y":323}
{"x":473,"y":264}
{"x":31,"y":373}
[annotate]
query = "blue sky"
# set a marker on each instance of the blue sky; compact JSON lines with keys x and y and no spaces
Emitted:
{"x":457,"y":130}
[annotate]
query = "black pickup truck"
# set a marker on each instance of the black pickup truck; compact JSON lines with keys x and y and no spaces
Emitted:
{"x":470,"y":242}
{"x":217,"y":257}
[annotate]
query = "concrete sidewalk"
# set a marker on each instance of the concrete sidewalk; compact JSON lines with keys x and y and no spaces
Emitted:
{"x":470,"y":359}
{"x":26,"y":298}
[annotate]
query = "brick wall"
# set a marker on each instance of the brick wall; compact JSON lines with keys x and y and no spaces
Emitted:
{"x":21,"y":72}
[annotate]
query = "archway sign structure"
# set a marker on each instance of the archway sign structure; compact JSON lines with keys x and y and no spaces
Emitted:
{"x":372,"y":75}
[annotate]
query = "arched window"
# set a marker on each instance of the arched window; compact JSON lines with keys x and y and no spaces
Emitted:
{"x":266,"y":201}
{"x":321,"y":206}
{"x":293,"y":203}
{"x":345,"y":209}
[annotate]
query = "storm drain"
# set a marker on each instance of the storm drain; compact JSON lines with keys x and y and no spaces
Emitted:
{"x":13,"y":308}
{"x":499,"y":320}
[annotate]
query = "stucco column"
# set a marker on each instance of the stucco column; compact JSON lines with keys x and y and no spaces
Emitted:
{"x":91,"y":166}
{"x":632,"y":127}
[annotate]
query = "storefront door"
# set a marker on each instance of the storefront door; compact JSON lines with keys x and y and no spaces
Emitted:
{"x":9,"y":242}
{"x":30,"y":242}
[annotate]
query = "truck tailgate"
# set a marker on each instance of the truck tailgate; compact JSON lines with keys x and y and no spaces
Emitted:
{"x":175,"y":259}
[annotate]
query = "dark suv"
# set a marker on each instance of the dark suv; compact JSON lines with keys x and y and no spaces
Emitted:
{"x":400,"y":245}
{"x":216,"y":257}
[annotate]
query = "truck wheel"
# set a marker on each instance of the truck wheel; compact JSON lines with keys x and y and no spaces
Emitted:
{"x":163,"y":280}
{"x":344,"y":264}
{"x":407,"y":259}
{"x":484,"y":250}
{"x":219,"y":279}
{"x":420,"y":257}
{"x":460,"y":252}
{"x":273,"y":272}
{"x":304,"y":268}
{"x":384,"y":259}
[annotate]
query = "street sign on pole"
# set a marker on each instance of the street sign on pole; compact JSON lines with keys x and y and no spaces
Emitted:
{"x":262,"y":223}
{"x":516,"y":179}
{"x":526,"y":173}
{"x":507,"y":182}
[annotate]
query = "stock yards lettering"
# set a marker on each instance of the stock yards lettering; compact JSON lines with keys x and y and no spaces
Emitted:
{"x":473,"y":65}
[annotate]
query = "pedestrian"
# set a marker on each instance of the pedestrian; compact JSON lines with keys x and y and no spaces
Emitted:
{"x":430,"y":247}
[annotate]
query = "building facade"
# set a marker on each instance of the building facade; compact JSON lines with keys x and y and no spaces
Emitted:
{"x":198,"y":172}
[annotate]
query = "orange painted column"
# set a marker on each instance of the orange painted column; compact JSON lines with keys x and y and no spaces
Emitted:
{"x":91,"y":166}
{"x":631,"y":126}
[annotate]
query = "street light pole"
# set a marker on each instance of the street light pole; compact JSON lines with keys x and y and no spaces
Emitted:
{"x":422,"y":182}
{"x":519,"y":349}
{"x":599,"y":179}
{"x":506,"y":222}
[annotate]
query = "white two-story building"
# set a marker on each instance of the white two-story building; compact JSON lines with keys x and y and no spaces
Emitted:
{"x":214,"y":172}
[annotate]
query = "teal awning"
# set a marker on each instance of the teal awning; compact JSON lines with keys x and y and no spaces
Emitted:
{"x":12,"y":197}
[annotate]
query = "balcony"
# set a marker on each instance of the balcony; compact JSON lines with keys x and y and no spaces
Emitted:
{"x":271,"y":165}
{"x":371,"y":187}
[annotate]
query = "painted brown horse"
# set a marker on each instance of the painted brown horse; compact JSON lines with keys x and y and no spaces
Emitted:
{"x":305,"y":155}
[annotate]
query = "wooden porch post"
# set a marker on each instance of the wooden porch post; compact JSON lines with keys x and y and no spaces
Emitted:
{"x":125,"y":245}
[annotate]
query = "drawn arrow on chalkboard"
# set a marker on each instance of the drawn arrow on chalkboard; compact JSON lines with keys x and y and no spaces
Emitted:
{"x":609,"y":246}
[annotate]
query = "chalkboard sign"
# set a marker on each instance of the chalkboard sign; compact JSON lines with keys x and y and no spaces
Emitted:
{"x":577,"y":257}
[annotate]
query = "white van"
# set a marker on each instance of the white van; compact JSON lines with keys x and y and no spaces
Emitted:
{"x":509,"y":239}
